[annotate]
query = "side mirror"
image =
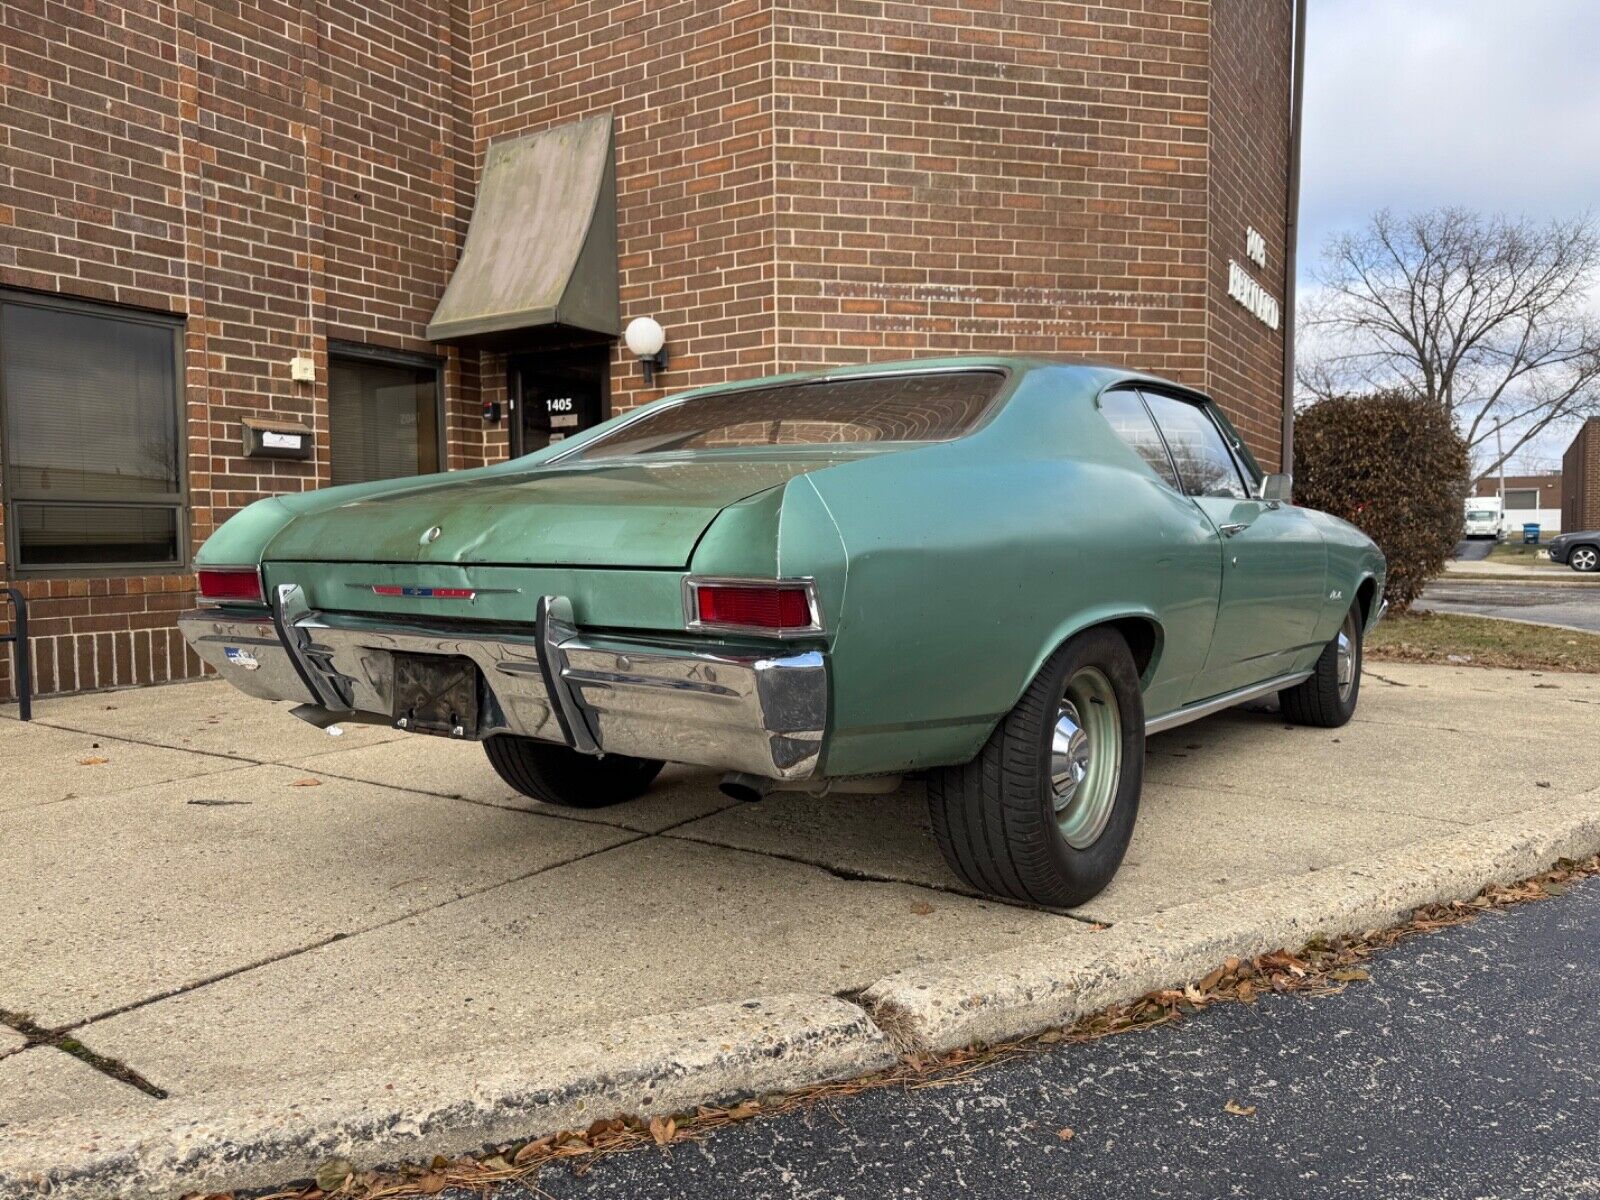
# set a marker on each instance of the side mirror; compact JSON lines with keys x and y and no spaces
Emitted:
{"x":1275,"y":489}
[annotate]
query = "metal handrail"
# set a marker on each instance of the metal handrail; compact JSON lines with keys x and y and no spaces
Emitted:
{"x":18,"y":637}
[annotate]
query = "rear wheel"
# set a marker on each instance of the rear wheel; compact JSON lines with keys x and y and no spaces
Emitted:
{"x":1584,"y":558}
{"x":1043,"y":814}
{"x":559,"y":775}
{"x":1328,"y":698}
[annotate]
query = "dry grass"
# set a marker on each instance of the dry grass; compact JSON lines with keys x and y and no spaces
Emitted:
{"x":1321,"y":967}
{"x":1482,"y":642}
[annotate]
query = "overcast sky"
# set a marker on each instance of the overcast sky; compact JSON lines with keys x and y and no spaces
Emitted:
{"x":1410,"y":104}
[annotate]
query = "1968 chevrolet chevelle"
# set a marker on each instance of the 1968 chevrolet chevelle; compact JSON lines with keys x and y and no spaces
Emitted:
{"x":1000,"y":572}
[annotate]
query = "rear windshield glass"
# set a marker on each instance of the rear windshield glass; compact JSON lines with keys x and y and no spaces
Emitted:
{"x":882,"y":408}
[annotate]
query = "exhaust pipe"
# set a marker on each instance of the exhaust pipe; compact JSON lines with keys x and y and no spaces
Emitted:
{"x":741,"y":785}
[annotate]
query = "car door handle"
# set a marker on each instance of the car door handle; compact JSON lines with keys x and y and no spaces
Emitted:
{"x":1230,"y":530}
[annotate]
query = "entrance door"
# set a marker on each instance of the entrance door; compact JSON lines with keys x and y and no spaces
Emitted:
{"x":557,"y":393}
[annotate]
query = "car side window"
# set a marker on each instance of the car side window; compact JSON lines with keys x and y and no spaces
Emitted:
{"x":1130,"y":421}
{"x":1204,"y":462}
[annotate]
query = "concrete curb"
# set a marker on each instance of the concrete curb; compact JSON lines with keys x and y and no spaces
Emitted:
{"x":673,"y":1062}
{"x":1020,"y":992}
{"x":660,"y":1064}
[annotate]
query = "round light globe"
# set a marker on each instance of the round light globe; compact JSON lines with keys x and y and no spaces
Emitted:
{"x":645,"y":337}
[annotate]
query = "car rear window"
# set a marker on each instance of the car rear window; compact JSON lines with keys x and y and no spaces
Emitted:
{"x":935,"y":407}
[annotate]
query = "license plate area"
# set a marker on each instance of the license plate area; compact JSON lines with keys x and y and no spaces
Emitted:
{"x":437,"y":694}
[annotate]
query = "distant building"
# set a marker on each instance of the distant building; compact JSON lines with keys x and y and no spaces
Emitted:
{"x":1580,"y":467}
{"x":1530,"y":500}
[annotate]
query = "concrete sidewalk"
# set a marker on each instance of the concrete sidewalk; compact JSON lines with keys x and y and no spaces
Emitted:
{"x":371,"y":947}
{"x":1539,"y":571}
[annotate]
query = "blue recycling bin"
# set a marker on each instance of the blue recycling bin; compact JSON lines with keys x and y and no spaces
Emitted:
{"x":1530,"y":535}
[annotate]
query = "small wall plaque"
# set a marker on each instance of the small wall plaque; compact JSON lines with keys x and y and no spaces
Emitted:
{"x":276,"y":439}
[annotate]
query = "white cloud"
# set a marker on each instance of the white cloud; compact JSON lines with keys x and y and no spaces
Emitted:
{"x":1486,"y":104}
{"x":1490,"y":104}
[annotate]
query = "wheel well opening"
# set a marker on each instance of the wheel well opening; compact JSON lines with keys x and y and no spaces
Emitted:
{"x":1366,"y":593}
{"x":1144,"y":641}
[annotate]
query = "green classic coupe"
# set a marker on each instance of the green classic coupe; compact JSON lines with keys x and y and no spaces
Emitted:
{"x":1001,"y":573}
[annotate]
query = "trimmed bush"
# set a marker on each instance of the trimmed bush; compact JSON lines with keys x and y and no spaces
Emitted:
{"x":1392,"y":465}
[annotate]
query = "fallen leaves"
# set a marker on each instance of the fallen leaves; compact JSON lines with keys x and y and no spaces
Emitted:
{"x":94,"y":760}
{"x":306,"y":783}
{"x":921,"y":908}
{"x":331,"y":1175}
{"x":1323,"y":966}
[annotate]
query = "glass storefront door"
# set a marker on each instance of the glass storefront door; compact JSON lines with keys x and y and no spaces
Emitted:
{"x":556,"y":393}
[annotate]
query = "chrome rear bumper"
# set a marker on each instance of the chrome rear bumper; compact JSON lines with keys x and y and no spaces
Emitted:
{"x":741,"y":712}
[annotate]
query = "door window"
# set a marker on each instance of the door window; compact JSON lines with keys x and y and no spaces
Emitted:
{"x":1205,"y":465}
{"x":1130,"y":421}
{"x":558,"y":393}
{"x":383,"y":418}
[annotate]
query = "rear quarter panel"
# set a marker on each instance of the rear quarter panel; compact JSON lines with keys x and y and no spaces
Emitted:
{"x":968,"y":563}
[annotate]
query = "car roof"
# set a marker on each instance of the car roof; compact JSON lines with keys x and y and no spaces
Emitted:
{"x":1108,"y":373}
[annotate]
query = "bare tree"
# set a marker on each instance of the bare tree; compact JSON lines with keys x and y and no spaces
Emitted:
{"x":1489,"y":317}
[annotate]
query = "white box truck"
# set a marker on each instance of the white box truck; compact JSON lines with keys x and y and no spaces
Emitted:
{"x":1485,"y":517}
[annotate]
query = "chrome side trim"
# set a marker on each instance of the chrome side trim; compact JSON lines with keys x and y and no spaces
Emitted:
{"x":691,"y":604}
{"x":1204,"y":708}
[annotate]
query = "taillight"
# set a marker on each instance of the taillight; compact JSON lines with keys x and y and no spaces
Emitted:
{"x":235,"y":584}
{"x":755,"y":607}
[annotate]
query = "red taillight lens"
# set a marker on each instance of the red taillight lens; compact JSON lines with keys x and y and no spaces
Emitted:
{"x":754,"y":606}
{"x":236,"y":584}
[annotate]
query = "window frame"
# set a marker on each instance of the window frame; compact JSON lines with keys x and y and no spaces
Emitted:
{"x":1232,"y":445}
{"x":177,"y":501}
{"x":1175,"y":484}
{"x":384,"y":356}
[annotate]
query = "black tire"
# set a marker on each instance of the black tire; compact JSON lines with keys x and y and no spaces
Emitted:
{"x":559,"y":775}
{"x":1322,"y":700}
{"x":1584,"y":558}
{"x":995,"y":818}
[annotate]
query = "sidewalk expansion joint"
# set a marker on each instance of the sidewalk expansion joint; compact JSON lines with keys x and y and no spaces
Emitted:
{"x":59,"y":1039}
{"x":851,"y":875}
{"x":320,"y":943}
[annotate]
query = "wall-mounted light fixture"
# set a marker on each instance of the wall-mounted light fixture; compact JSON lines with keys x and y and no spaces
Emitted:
{"x":647,"y":342}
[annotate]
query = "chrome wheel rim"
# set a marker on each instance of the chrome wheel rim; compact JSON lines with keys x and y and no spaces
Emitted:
{"x":1585,"y":559}
{"x":1347,"y":654}
{"x":1085,"y":757}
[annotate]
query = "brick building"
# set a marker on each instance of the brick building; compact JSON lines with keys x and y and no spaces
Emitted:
{"x":1580,"y":472}
{"x":1528,"y":499}
{"x":226,"y":229}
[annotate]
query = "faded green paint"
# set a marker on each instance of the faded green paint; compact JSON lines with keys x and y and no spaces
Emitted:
{"x":946,"y":573}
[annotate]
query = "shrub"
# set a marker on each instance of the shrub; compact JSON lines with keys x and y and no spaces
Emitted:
{"x":1394,"y":466}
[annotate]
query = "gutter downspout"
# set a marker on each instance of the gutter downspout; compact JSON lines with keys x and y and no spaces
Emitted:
{"x":1291,"y":233}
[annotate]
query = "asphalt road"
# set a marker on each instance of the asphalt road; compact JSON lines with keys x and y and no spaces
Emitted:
{"x":1473,"y":549}
{"x":1468,"y":1067}
{"x":1576,"y":605}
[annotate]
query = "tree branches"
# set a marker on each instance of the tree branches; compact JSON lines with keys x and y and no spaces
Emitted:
{"x":1488,"y":317}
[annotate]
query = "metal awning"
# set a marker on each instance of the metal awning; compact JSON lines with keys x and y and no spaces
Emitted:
{"x":541,"y":251}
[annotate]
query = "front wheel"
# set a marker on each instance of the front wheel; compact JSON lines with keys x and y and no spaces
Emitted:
{"x":1043,"y":814}
{"x":1584,"y":558}
{"x":560,"y":775}
{"x":1328,"y":698}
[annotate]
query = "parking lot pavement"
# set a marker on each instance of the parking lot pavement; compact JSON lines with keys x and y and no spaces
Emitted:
{"x":1573,"y":607}
{"x":226,"y":901}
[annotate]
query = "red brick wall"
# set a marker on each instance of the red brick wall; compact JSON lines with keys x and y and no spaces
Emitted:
{"x":1251,"y":48}
{"x":993,"y":177}
{"x":823,"y":181}
{"x":278,"y":173}
{"x":1580,"y":479}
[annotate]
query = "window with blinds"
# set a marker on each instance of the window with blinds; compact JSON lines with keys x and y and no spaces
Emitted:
{"x":93,"y":444}
{"x":383,"y":418}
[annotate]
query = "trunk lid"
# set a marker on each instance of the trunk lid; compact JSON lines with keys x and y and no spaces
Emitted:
{"x":626,"y":514}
